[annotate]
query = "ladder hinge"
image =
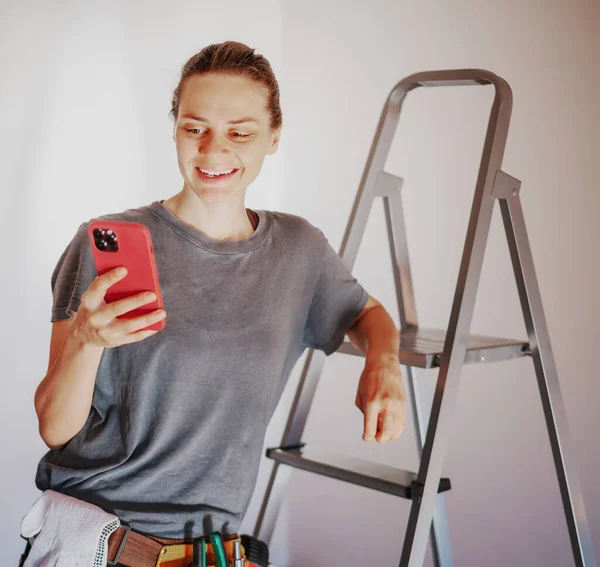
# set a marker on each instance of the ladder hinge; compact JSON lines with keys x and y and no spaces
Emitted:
{"x":387,"y":184}
{"x":415,"y":490}
{"x":505,"y":186}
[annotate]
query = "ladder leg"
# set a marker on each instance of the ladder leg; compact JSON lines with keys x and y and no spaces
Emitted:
{"x":440,"y":539}
{"x":273,"y":499}
{"x":452,"y":360}
{"x":272,"y":502}
{"x":394,"y":213}
{"x":422,"y":509}
{"x":547,"y":378}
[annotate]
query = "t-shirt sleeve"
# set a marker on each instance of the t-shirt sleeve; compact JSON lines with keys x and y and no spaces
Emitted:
{"x":337,"y":301}
{"x":72,"y":275}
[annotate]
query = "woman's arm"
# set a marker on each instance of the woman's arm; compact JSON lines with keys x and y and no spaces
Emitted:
{"x":380,"y":394}
{"x":64,"y":397}
{"x":374,"y":332}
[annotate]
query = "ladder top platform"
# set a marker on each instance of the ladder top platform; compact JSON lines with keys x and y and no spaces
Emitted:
{"x":422,"y":347}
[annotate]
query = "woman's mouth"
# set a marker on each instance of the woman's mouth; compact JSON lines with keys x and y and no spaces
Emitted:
{"x":215,"y":176}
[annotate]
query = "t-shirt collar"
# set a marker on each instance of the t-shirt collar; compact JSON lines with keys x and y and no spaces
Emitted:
{"x":256,"y":239}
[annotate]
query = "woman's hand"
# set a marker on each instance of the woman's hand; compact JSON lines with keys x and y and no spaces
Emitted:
{"x":96,"y":321}
{"x":381,"y":398}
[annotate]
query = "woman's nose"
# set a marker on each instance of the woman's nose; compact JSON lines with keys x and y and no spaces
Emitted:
{"x":212,"y":145}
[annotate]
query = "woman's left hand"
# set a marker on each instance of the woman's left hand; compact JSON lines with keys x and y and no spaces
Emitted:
{"x":381,"y":398}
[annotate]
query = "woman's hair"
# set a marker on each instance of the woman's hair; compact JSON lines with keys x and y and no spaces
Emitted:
{"x":233,"y":58}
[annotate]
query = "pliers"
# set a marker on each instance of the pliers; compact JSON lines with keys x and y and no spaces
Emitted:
{"x":218,"y":550}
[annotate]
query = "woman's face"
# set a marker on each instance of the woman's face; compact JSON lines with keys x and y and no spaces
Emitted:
{"x":223,"y":125}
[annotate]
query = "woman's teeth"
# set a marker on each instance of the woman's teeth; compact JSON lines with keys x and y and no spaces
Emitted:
{"x":216,"y":173}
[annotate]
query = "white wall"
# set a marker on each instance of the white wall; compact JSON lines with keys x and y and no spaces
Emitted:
{"x":336,"y":63}
{"x":341,"y":61}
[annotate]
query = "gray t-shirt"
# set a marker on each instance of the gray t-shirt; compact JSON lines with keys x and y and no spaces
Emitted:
{"x":174,"y":438}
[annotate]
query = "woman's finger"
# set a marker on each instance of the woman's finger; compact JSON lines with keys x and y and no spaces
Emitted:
{"x":371,"y":412}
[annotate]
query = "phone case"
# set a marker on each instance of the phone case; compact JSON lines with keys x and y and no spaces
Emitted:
{"x":131,"y":247}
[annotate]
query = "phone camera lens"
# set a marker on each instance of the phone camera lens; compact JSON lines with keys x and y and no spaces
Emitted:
{"x":105,"y":239}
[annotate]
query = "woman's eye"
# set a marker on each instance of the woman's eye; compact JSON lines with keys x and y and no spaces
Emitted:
{"x":199,"y":130}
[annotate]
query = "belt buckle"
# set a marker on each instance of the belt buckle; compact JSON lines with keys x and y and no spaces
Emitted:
{"x":115,"y":561}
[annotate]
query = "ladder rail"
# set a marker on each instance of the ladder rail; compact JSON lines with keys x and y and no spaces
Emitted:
{"x":405,"y":300}
{"x":405,"y":295}
{"x":446,"y":393}
{"x":292,"y":435}
{"x":547,"y":378}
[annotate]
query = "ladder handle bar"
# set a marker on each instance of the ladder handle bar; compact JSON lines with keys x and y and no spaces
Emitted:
{"x":390,"y":115}
{"x":454,"y":77}
{"x":450,"y":78}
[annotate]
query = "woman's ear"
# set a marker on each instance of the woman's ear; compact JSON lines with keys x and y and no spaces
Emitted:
{"x":275,"y":137}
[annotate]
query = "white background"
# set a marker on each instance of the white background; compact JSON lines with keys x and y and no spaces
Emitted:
{"x":84,"y":124}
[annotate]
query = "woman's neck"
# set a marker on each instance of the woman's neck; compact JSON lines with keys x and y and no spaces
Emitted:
{"x":221,"y":222}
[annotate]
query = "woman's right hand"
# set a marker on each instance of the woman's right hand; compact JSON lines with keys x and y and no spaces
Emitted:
{"x":96,"y":321}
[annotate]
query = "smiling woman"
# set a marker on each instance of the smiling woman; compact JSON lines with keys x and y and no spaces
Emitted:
{"x":163,"y":431}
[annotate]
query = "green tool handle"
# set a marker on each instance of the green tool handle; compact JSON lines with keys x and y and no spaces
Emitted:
{"x":218,"y":549}
{"x":203,"y":560}
{"x":200,"y":552}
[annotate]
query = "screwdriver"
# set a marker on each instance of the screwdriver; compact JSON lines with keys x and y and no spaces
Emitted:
{"x":238,"y":561}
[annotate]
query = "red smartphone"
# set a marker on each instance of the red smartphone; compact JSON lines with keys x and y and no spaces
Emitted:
{"x":129,"y":244}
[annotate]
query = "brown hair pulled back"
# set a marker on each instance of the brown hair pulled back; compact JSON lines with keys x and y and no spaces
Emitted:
{"x":236,"y":58}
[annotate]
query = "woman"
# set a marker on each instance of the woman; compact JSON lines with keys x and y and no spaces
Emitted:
{"x":165,"y":429}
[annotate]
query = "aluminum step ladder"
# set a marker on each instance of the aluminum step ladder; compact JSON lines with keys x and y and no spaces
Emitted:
{"x":430,"y":348}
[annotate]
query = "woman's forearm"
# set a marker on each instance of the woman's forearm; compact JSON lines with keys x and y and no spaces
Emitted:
{"x":64,"y":397}
{"x":375,"y":333}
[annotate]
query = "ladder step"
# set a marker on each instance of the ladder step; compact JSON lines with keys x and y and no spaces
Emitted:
{"x":423,"y":348}
{"x":379,"y":477}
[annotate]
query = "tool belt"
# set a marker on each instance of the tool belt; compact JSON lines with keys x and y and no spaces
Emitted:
{"x":127,"y":547}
